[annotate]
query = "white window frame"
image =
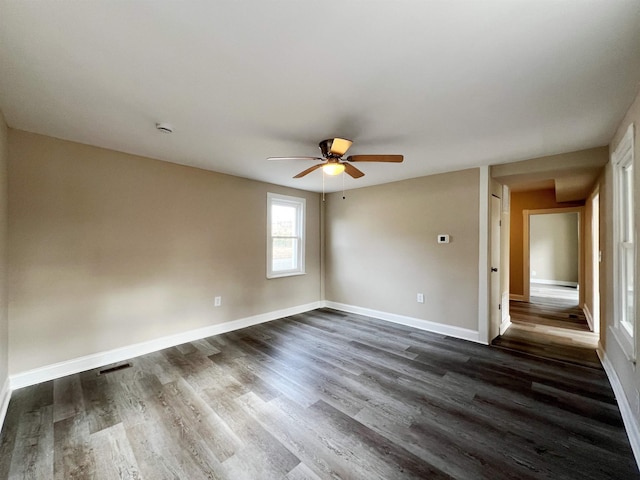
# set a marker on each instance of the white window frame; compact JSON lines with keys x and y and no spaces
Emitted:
{"x":300,"y":206}
{"x":624,"y":242}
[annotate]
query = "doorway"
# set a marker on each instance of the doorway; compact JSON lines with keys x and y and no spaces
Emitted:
{"x":552,"y":252}
{"x":554,"y":244}
{"x":548,"y":319}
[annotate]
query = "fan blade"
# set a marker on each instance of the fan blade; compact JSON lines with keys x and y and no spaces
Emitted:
{"x":309,"y":170}
{"x":339,"y":146}
{"x":295,"y":158}
{"x":353,"y":171}
{"x":375,"y":158}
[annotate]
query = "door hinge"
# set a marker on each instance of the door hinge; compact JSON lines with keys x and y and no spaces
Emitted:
{"x":499,"y":306}
{"x":499,"y":223}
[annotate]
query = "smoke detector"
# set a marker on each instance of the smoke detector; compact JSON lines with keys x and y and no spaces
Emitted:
{"x":164,"y":127}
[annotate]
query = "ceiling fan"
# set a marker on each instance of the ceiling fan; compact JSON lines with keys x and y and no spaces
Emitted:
{"x":333,"y":149}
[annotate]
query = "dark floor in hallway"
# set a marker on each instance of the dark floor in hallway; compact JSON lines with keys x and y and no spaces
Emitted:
{"x":552,"y":326}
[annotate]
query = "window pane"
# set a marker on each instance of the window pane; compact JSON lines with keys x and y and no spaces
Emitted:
{"x":627,"y":204}
{"x":285,"y":235}
{"x":284,"y":254}
{"x":628,"y":287}
{"x":283,"y":221}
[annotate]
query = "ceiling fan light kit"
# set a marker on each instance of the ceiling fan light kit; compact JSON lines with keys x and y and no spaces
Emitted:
{"x":333,"y":168}
{"x":333,"y":149}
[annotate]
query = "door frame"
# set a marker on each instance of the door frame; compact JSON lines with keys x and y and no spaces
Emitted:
{"x":526,"y":271}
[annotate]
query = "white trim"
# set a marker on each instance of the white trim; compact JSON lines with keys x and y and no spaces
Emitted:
{"x":629,"y":419}
{"x":588,"y":316}
{"x":624,"y":342}
{"x":483,"y":258}
{"x":560,"y":283}
{"x":622,"y":156}
{"x":516,"y":298}
{"x":300,"y":204}
{"x":504,"y":326}
{"x":449,"y":330}
{"x":506,"y":199}
{"x":5,"y":397}
{"x":96,"y":360}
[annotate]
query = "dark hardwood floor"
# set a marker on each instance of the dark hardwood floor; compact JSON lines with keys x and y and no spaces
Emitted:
{"x":322,"y":395}
{"x":552,"y":327}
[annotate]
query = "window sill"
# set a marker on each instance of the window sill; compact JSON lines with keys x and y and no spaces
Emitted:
{"x":625,"y":342}
{"x":284,"y":274}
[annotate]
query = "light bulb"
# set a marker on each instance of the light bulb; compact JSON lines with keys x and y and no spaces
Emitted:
{"x":333,"y":168}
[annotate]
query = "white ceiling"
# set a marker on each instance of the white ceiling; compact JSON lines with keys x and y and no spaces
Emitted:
{"x":450,"y":84}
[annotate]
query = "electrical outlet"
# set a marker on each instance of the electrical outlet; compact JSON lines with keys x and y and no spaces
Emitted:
{"x":218,"y":301}
{"x":420,"y":298}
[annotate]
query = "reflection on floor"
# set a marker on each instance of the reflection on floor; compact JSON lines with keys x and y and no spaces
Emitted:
{"x":540,"y":293}
{"x":551,"y":326}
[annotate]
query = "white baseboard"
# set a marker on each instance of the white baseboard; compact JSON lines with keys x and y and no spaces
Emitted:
{"x":516,"y":297}
{"x":504,"y":326}
{"x":588,"y":316}
{"x":96,"y":360}
{"x":5,"y":396}
{"x":561,"y":283}
{"x":441,"y":328}
{"x":629,"y":419}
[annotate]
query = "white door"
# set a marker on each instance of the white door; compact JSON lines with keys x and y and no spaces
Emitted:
{"x":595,"y":259}
{"x":495,"y":313}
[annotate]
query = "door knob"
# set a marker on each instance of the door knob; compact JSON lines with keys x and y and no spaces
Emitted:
{"x":494,"y":269}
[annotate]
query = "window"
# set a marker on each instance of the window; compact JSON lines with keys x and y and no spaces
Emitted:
{"x":285,"y":235}
{"x":624,"y":239}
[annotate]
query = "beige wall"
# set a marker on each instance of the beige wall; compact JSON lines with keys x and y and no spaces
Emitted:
{"x":553,"y":247}
{"x":382,"y":249}
{"x":108,"y":250}
{"x":627,"y":372}
{"x":520,"y":201}
{"x":4,"y":320}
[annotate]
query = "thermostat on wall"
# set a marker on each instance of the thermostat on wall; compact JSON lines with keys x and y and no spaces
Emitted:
{"x":443,"y":238}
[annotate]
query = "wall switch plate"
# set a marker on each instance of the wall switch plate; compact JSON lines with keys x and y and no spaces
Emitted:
{"x":217,"y":301}
{"x":443,"y":238}
{"x":420,"y":298}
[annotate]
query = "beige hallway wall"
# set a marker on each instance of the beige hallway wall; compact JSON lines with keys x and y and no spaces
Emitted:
{"x":108,"y":249}
{"x":382,"y":248}
{"x":553,"y":248}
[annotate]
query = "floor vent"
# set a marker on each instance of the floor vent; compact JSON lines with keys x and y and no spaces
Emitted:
{"x":114,"y":369}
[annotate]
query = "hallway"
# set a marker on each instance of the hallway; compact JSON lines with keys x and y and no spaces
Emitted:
{"x":551,"y":326}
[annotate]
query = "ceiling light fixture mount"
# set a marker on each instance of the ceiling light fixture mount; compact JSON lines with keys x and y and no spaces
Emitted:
{"x":164,"y":127}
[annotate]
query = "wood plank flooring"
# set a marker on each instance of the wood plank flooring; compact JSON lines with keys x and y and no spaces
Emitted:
{"x":551,"y":328}
{"x":322,"y":395}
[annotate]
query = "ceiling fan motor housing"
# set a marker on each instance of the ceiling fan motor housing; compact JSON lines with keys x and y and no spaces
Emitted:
{"x":325,"y":148}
